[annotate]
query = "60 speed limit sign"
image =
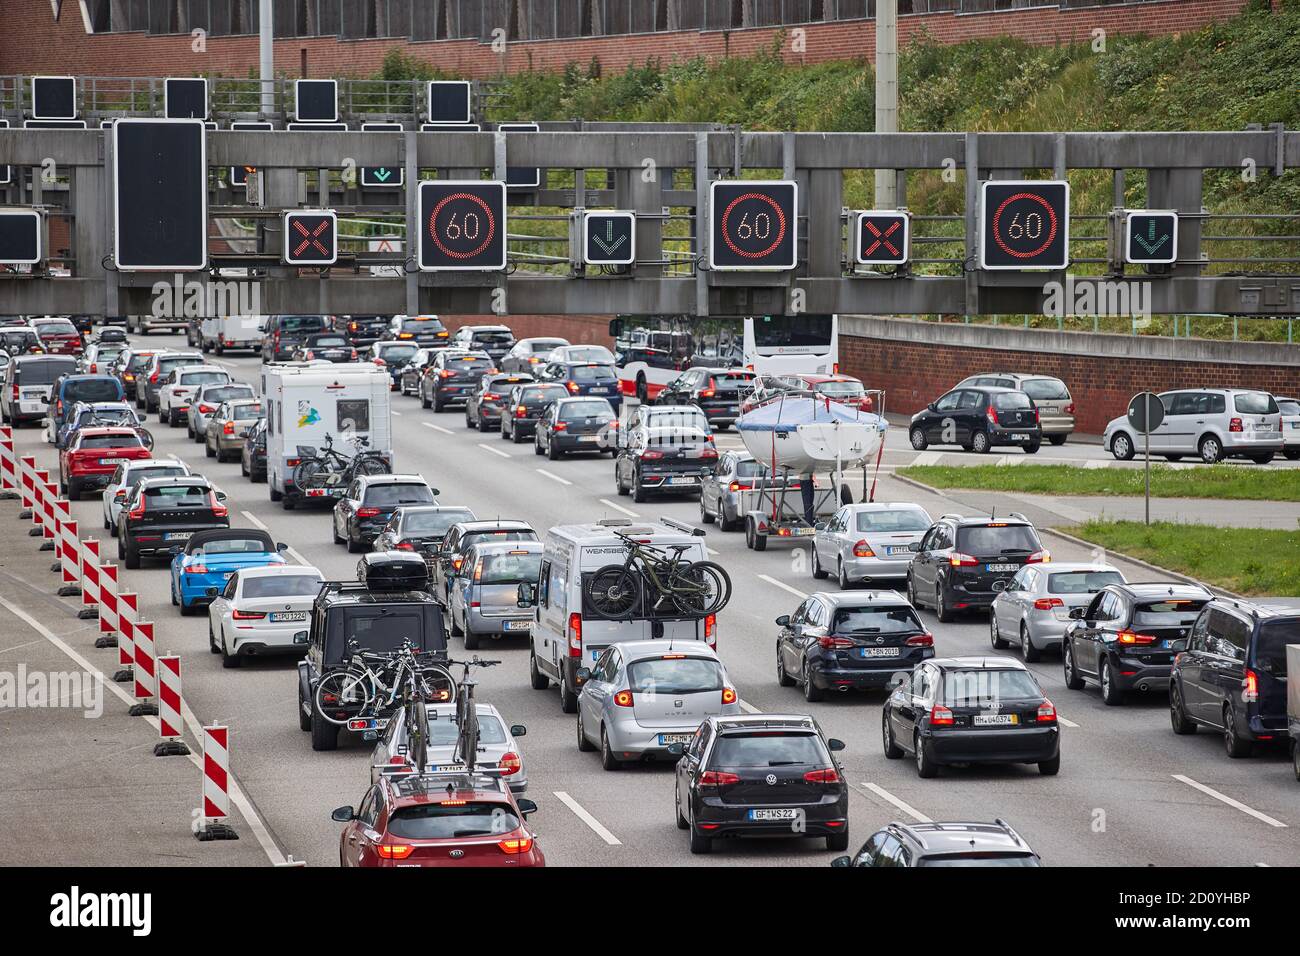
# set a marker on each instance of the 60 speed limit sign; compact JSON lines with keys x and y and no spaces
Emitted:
{"x":753,"y":225}
{"x":462,"y":226}
{"x":1024,"y":224}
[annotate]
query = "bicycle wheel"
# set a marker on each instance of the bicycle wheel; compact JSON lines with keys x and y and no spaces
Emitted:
{"x":614,"y":592}
{"x":417,"y":733}
{"x":308,"y":469}
{"x":348,"y":689}
{"x":368,"y":463}
{"x":439,"y":686}
{"x":467,"y":742}
{"x":701,"y":588}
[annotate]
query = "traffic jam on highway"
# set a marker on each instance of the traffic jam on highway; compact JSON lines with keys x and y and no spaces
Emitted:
{"x":681,"y":626}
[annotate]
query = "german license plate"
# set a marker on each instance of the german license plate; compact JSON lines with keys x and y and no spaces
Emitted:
{"x":518,"y":625}
{"x":111,"y":461}
{"x":996,"y":720}
{"x":878,"y":652}
{"x":588,"y":438}
{"x":1019,"y":436}
{"x":178,"y":535}
{"x":288,"y":616}
{"x":893,"y":549}
{"x":776,"y":814}
{"x":688,"y":480}
{"x":803,"y":532}
{"x":1002,"y":568}
{"x":367,"y":723}
{"x":598,"y":391}
{"x":666,"y":739}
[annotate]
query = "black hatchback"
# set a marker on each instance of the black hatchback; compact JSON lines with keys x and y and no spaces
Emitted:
{"x":963,"y":563}
{"x":576,"y":425}
{"x":760,"y":775}
{"x":978,"y":418}
{"x":525,"y":405}
{"x":162,"y":515}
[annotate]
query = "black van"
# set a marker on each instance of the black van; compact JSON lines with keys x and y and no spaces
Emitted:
{"x":350,"y":616}
{"x":1232,"y":675}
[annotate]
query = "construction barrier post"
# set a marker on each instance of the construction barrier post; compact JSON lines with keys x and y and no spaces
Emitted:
{"x":26,"y":485}
{"x":109,"y":625}
{"x":145,"y":676}
{"x":89,"y":579}
{"x":62,"y":514}
{"x":8,"y":464}
{"x":169,"y":709}
{"x":127,"y":614}
{"x":40,"y":493}
{"x":70,"y":559}
{"x":216,"y":784}
{"x":49,"y":514}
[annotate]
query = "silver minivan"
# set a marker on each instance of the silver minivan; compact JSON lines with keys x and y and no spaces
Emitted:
{"x":1050,"y":395}
{"x":485,"y":591}
{"x":1211,"y":423}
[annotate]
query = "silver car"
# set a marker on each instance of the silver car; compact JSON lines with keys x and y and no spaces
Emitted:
{"x":641,"y":697}
{"x":1290,"y":409}
{"x":1034,"y":608}
{"x":1050,"y":395}
{"x":498,"y":750}
{"x":869,"y":543}
{"x":1210,"y":423}
{"x":485,"y":591}
{"x":207,"y":400}
{"x":723,"y":493}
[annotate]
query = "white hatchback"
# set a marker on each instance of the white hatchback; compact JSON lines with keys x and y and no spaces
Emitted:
{"x":262,"y":611}
{"x":181,"y":387}
{"x":129,"y":474}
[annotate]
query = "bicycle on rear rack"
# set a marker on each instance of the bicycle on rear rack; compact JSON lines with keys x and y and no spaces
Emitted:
{"x":694,"y":588}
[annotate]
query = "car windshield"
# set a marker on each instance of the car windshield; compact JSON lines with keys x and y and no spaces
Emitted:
{"x":1270,"y":646}
{"x":768,"y":748}
{"x":675,"y":675}
{"x":997,"y":539}
{"x":124,"y":440}
{"x":203,"y":378}
{"x":1167,"y":613}
{"x":56,"y":328}
{"x":1081,"y":582}
{"x":1011,"y":400}
{"x":247,"y":413}
{"x":598,"y":408}
{"x":1255,"y":403}
{"x":454,"y":818}
{"x":876,"y":620}
{"x":519,"y":568}
{"x":976,"y":688}
{"x":234,"y":546}
{"x":1288,"y":406}
{"x":444,"y":731}
{"x":592,"y":373}
{"x":593,"y":353}
{"x":903,"y":519}
{"x":43,"y":371}
{"x":224,"y":393}
{"x":493,"y":338}
{"x":1049,"y":389}
{"x":160,"y":471}
{"x":103,"y":389}
{"x":281,"y":585}
{"x":387,"y":495}
{"x":839,"y":388}
{"x":980,"y":859}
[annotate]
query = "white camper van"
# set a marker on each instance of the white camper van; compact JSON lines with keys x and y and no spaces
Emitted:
{"x":231,"y":332}
{"x":307,"y":403}
{"x":565,"y":634}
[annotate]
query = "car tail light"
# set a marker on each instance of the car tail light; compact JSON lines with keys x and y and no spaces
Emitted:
{"x":478,"y":570}
{"x":405,"y":546}
{"x":153,"y":379}
{"x":828,"y":775}
{"x":94,"y":367}
{"x":397,"y":760}
{"x":354,"y":355}
{"x":15,"y":392}
{"x":516,"y":845}
{"x":1037,"y":417}
{"x":863,"y":550}
{"x":406,"y":335}
{"x":58,"y":407}
{"x":560,"y":427}
{"x":959,"y":560}
{"x":138,"y":511}
{"x":830,"y":642}
{"x":941,"y":717}
{"x":228,"y":428}
{"x":992,"y":414}
{"x":575,"y":634}
{"x":572,"y":387}
{"x":521,"y":411}
{"x":456,"y":563}
{"x":1039,"y":557}
{"x":442,"y":335}
{"x":1250,"y":687}
{"x":835,"y":369}
{"x":218,"y":509}
{"x":367,"y":512}
{"x":1046,"y":604}
{"x":352,"y":326}
{"x":711,"y":630}
{"x":623,"y":698}
{"x":293,"y":462}
{"x":921,"y":640}
{"x":1235,"y":425}
{"x":206,"y":409}
{"x":709,"y":452}
{"x":239,"y":615}
{"x":197,"y":569}
{"x":510,"y":764}
{"x":651,"y":454}
{"x":1069,"y":409}
{"x":446,"y":373}
{"x":718,"y":778}
{"x":729,"y":695}
{"x":1131,"y":637}
{"x":707,"y":392}
{"x":394,"y":851}
{"x":1047,"y":712}
{"x":491,"y":397}
{"x":737,"y":486}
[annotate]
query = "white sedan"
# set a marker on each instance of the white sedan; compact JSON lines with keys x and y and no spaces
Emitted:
{"x":182,"y":385}
{"x":262,"y":611}
{"x":128,"y":475}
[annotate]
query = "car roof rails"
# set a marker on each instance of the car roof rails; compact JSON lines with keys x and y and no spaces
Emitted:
{"x":681,"y":526}
{"x":1010,"y":832}
{"x":615,"y":522}
{"x":1017,"y":514}
{"x":951,"y":514}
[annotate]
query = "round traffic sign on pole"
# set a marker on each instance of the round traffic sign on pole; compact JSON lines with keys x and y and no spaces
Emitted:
{"x":1146,"y":412}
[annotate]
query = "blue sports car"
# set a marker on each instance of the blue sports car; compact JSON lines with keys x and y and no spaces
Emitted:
{"x":211,"y":557}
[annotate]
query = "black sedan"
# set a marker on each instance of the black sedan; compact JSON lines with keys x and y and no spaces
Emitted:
{"x":329,"y":346}
{"x":576,"y":425}
{"x":420,"y":528}
{"x":525,"y":406}
{"x":252,"y":459}
{"x":761,"y":775}
{"x":451,"y":377}
{"x":486,"y":405}
{"x":162,"y":514}
{"x":961,"y":710}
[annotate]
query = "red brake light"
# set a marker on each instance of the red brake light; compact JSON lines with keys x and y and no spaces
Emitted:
{"x":572,"y":387}
{"x":1250,"y":687}
{"x":516,"y":845}
{"x":207,"y":409}
{"x":138,"y":510}
{"x":456,"y":563}
{"x":560,"y":427}
{"x":709,"y":452}
{"x":153,"y":378}
{"x":1235,"y":425}
{"x":652,"y":454}
{"x":710,"y":630}
{"x":833,"y":643}
{"x":1069,"y":409}
{"x":521,"y":411}
{"x":941,"y":717}
{"x":1047,"y":712}
{"x":394,"y":851}
{"x":196,"y":569}
{"x":829,"y":775}
{"x":248,"y":615}
{"x":863,"y":550}
{"x":729,"y":695}
{"x":367,"y":512}
{"x":218,"y":509}
{"x":405,"y":546}
{"x":1129,"y":637}
{"x":1039,"y":557}
{"x":718,"y":778}
{"x":510,"y":764}
{"x":575,"y":634}
{"x":446,"y":373}
{"x":959,"y":560}
{"x":707,"y":393}
{"x":992,"y":414}
{"x":623,"y":698}
{"x":1046,"y":604}
{"x":228,"y":428}
{"x":921,"y":640}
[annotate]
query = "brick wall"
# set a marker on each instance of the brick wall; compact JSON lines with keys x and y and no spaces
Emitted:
{"x":32,"y":42}
{"x":914,"y":374}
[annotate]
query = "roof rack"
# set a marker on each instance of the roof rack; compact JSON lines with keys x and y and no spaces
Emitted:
{"x":682,"y":526}
{"x":1016,"y":514}
{"x":1010,"y":832}
{"x":951,"y":514}
{"x":615,"y":522}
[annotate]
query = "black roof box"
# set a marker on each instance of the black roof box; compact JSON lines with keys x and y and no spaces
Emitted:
{"x":393,"y":571}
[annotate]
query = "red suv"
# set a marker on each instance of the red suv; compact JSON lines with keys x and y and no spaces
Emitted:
{"x":92,"y":456}
{"x":456,"y":819}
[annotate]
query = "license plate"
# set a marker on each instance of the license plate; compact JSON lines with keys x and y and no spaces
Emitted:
{"x":893,"y":549}
{"x":178,"y":535}
{"x":367,"y":723}
{"x":111,"y":461}
{"x":324,"y":492}
{"x":598,"y":391}
{"x":596,"y":652}
{"x":588,"y":438}
{"x":878,"y":652}
{"x":803,"y":532}
{"x":782,"y":814}
{"x":1019,"y":436}
{"x":682,"y":481}
{"x":666,"y":739}
{"x":518,"y":625}
{"x":1002,"y":568}
{"x":996,"y":720}
{"x":288,"y":615}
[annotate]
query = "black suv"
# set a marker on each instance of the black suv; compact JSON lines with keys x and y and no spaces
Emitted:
{"x":1232,"y":675}
{"x":486,"y":404}
{"x":576,"y":425}
{"x":525,"y":405}
{"x":162,"y":514}
{"x":672,"y":459}
{"x":348,"y":616}
{"x":1126,"y":638}
{"x":962,"y":563}
{"x":717,"y":392}
{"x":943,"y":844}
{"x":451,"y":376}
{"x":978,"y":418}
{"x":363,"y":330}
{"x":846,"y":641}
{"x":760,"y":775}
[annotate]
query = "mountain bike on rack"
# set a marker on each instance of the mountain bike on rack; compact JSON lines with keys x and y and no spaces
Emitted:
{"x":467,"y":713}
{"x":694,"y":588}
{"x":327,"y":468}
{"x":372,"y":683}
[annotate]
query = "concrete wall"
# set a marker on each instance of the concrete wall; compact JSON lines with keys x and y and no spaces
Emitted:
{"x":915,"y":362}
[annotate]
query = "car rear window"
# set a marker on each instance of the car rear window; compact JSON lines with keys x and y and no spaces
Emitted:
{"x":169,"y":363}
{"x":226,"y":392}
{"x":246,"y":413}
{"x":691,"y":417}
{"x":109,"y":441}
{"x":1270,"y":646}
{"x":107,"y":415}
{"x":768,"y":748}
{"x":382,"y":631}
{"x":330,"y":341}
{"x":545,"y":345}
{"x":730,"y":381}
{"x":876,"y":620}
{"x":974,"y":688}
{"x":493,"y":338}
{"x":170,"y":496}
{"x":509,"y":568}
{"x":387,"y":495}
{"x":1011,"y":400}
{"x":444,"y":731}
{"x":139,"y":360}
{"x":1047,"y":389}
{"x":159,"y":472}
{"x":56,"y":328}
{"x":997,"y":539}
{"x":592,"y":373}
{"x":203,"y":378}
{"x":675,"y":675}
{"x":545,"y":393}
{"x":434,"y":522}
{"x":597,"y":408}
{"x":839,"y":388}
{"x":281,"y":585}
{"x":749,"y":469}
{"x":1172,"y":612}
{"x":104,"y":389}
{"x":42,"y":371}
{"x":902,"y":520}
{"x":469,"y":363}
{"x":521,"y":534}
{"x":301,"y":323}
{"x":1081,"y":582}
{"x":676,"y":436}
{"x":1288,"y":407}
{"x":980,"y":859}
{"x":596,"y":353}
{"x":234,"y":546}
{"x":398,"y":353}
{"x":1254,"y":403}
{"x":422,"y":325}
{"x":454,"y":818}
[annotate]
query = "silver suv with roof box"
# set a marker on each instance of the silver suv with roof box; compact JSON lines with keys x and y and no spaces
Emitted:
{"x":1211,"y":423}
{"x":1050,"y":395}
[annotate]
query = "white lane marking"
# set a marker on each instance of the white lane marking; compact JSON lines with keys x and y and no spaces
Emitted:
{"x":927,"y":458}
{"x":557,"y":478}
{"x":580,"y":812}
{"x":437,"y":428}
{"x":617,"y":507}
{"x":297,"y":556}
{"x":237,"y":795}
{"x":749,"y":708}
{"x":888,"y":797}
{"x":254,"y":520}
{"x":1067,"y":723}
{"x":783,"y":586}
{"x":397,"y":414}
{"x":1236,"y":804}
{"x":495,"y":451}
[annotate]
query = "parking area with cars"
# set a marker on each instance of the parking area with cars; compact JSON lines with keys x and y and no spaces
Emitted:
{"x":1045,"y":766}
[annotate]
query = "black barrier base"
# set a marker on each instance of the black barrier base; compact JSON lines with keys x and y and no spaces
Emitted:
{"x":8,"y":495}
{"x":108,"y":640}
{"x":25,"y":514}
{"x":56,"y":566}
{"x":124,"y":676}
{"x":147,"y":709}
{"x":69,"y":590}
{"x":34,"y":532}
{"x":171,"y":748}
{"x":88,"y":613}
{"x":216,"y":831}
{"x":47,"y":545}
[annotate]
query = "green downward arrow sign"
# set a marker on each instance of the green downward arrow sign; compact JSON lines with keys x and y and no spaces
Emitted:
{"x":1150,"y":243}
{"x":382,"y":174}
{"x":609,"y":244}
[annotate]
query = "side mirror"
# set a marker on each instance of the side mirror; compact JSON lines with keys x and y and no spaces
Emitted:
{"x":615,"y":328}
{"x":677,"y":749}
{"x":518,"y":730}
{"x":583,"y":674}
{"x":914,"y":547}
{"x":210,"y":592}
{"x":281,"y":546}
{"x":783,"y":620}
{"x":526,"y":806}
{"x":1178,"y":646}
{"x":221,"y":496}
{"x":932,"y":407}
{"x":435,"y":492}
{"x":1077,"y":613}
{"x":835,"y":744}
{"x":842,"y":861}
{"x":820,"y":526}
{"x":344,"y":814}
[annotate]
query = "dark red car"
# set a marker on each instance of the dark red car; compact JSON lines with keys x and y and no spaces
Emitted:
{"x":456,"y":819}
{"x":92,"y":456}
{"x":58,"y":336}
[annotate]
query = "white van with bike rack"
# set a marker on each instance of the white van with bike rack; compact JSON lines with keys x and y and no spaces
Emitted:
{"x":567,"y":633}
{"x":307,"y":403}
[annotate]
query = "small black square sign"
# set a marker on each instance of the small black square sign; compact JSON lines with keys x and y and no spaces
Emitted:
{"x":882,"y":238}
{"x":1151,"y":236}
{"x":20,"y":237}
{"x":609,"y":238}
{"x":311,"y":238}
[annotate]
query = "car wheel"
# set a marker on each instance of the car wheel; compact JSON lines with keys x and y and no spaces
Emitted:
{"x":212,"y":641}
{"x":276,"y":495}
{"x":1111,"y":694}
{"x":229,"y":661}
{"x":1028,"y":651}
{"x":1032,"y":448}
{"x":811,"y":692}
{"x":1292,"y":454}
{"x":172,"y":591}
{"x":842,"y":578}
{"x":468,"y":422}
{"x":324,"y":735}
{"x":892,"y":750}
{"x":700,"y":843}
{"x":568,"y":698}
{"x":1072,"y":678}
{"x":482,"y":424}
{"x":424,"y":400}
{"x":537,"y":445}
{"x":536,"y":679}
{"x":1057,"y":439}
{"x":918,"y":439}
{"x":552,"y":453}
{"x":1182,"y":724}
{"x":725,"y":523}
{"x":583,"y":743}
{"x":471,"y":639}
{"x":334,"y":532}
{"x":677,"y":811}
{"x":1121,"y":446}
{"x":941,"y":610}
{"x":607,"y":759}
{"x":925,"y":765}
{"x":355,"y":546}
{"x":131,"y":558}
{"x":818,"y":571}
{"x":1211,"y":450}
{"x":706,"y":518}
{"x":642,"y":390}
{"x":911,"y":591}
{"x":783,"y":679}
{"x":1173,"y":457}
{"x":1262,"y":459}
{"x":979,"y":443}
{"x":1050,"y":768}
{"x":1235,"y":745}
{"x":995,"y":635}
{"x":838,"y":842}
{"x":638,"y":493}
{"x":207,"y":450}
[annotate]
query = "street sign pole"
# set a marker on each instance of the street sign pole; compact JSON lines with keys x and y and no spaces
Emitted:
{"x":1146,"y":413}
{"x":1146,"y":448}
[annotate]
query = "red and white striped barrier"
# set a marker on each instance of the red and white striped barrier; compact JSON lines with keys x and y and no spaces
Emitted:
{"x":144,"y":674}
{"x":89,"y":579}
{"x":127,"y":614}
{"x":47,"y":495}
{"x":62,"y":514}
{"x":108,"y":612}
{"x":216,"y":785}
{"x":26,"y":484}
{"x":169,"y":709}
{"x":41,"y":492}
{"x":70,"y":558}
{"x":8,"y":463}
